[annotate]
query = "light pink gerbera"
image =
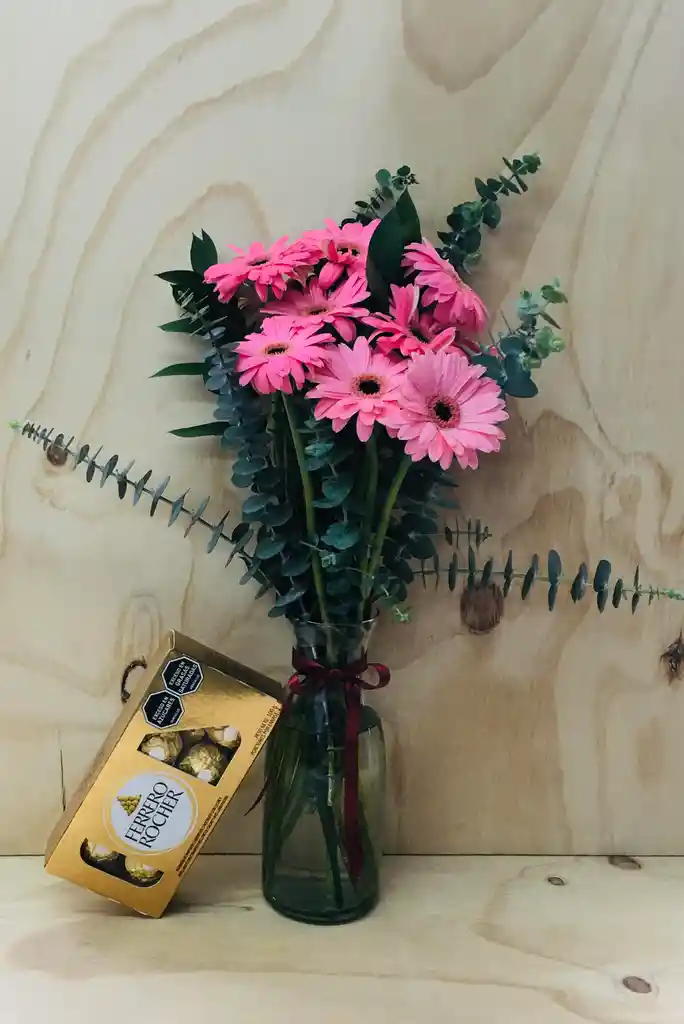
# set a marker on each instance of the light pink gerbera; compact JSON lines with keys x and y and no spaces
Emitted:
{"x":345,"y":247}
{"x":457,"y":303}
{"x":264,"y":268}
{"x":313,"y":305}
{"x":357,"y":382}
{"x":447,"y":409}
{"x":406,"y":329}
{"x":279,"y":353}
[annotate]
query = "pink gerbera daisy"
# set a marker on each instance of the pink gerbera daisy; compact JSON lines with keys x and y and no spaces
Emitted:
{"x":448,"y":409}
{"x":406,"y":329}
{"x":313,"y":305}
{"x":345,"y":247}
{"x":279,"y":353}
{"x":357,"y":382}
{"x":264,"y":268}
{"x":457,"y":303}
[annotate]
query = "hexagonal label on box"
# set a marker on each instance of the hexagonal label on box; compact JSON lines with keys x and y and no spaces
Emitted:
{"x":163,"y":709}
{"x":182,"y":675}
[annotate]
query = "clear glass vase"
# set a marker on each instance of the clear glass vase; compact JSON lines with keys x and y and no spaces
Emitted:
{"x":325,"y":791}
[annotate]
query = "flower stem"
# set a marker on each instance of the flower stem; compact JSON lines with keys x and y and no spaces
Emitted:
{"x":385,"y":517}
{"x":310,"y":518}
{"x":371,"y":487}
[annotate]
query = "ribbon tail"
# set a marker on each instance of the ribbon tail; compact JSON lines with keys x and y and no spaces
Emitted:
{"x":352,"y":825}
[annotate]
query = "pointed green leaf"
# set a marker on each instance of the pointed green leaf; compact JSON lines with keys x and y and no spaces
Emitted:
{"x":182,"y":278}
{"x":186,"y":325}
{"x":203,"y":253}
{"x":269,"y":547}
{"x":602,"y":599}
{"x":636,"y":597}
{"x":508,"y":574}
{"x":201,"y":430}
{"x":553,"y":594}
{"x":181,"y":370}
{"x":486,"y":578}
{"x":472,"y":566}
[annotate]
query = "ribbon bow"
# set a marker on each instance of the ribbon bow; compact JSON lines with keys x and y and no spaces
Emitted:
{"x":309,"y":674}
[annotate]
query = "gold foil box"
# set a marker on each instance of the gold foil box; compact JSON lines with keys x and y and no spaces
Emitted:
{"x":166,"y":772}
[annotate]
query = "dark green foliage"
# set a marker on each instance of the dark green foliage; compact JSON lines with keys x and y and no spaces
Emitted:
{"x":463,"y":241}
{"x":399,"y":226}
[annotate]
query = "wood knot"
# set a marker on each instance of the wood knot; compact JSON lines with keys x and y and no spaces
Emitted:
{"x":638,"y":985}
{"x":56,"y":454}
{"x":556,"y":880}
{"x":482,"y":607}
{"x":619,"y":860}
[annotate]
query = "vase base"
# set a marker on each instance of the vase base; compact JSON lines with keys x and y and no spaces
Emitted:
{"x":317,"y":915}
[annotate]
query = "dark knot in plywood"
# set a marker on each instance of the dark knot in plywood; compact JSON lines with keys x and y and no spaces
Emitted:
{"x":482,"y":607}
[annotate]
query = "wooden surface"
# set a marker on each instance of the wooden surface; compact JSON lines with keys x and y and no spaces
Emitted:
{"x":131,"y":123}
{"x":454,"y":941}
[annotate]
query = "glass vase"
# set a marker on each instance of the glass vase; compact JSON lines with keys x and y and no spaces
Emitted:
{"x":325,"y":788}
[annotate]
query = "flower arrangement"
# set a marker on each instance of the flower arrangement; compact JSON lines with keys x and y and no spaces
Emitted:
{"x":354,"y":371}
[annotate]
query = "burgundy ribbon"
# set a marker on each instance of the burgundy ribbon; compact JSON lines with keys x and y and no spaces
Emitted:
{"x":311,"y":675}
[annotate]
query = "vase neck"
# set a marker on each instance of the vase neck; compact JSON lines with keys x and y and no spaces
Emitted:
{"x":333,"y":646}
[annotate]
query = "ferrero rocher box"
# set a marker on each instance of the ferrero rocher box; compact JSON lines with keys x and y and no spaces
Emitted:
{"x":166,"y":772}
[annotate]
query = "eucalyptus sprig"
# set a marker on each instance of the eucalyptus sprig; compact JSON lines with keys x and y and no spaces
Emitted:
{"x":389,"y":186}
{"x":463,"y":242}
{"x":512,"y":355}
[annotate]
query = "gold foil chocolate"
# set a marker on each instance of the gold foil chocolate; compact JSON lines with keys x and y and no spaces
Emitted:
{"x":140,"y":872}
{"x":192,"y":735}
{"x":225,"y":736}
{"x":205,"y":761}
{"x":163,"y":747}
{"x":100,"y":856}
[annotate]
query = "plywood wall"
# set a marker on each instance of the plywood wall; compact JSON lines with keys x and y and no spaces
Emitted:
{"x":128,"y":124}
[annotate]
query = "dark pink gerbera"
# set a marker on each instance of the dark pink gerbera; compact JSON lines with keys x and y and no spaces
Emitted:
{"x":264,"y":268}
{"x":314,"y":305}
{"x":456,"y":302}
{"x":344,"y":247}
{"x":405,"y":328}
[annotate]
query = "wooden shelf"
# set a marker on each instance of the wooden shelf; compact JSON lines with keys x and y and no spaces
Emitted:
{"x":498,"y":940}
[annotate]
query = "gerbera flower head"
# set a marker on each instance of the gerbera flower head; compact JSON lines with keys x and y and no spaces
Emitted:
{"x":281,"y":352}
{"x":264,"y":268}
{"x":406,"y":329}
{"x":447,"y":409}
{"x":314,"y":305}
{"x":357,"y":382}
{"x":345,"y":247}
{"x":457,"y":303}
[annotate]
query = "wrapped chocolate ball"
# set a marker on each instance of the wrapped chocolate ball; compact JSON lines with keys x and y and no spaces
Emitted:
{"x":97,"y":855}
{"x":204,"y":761}
{"x":192,"y":735}
{"x":162,"y":746}
{"x":141,"y":873}
{"x":226,"y":736}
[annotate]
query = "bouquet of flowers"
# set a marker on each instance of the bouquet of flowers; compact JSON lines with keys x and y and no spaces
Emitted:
{"x":355,"y":374}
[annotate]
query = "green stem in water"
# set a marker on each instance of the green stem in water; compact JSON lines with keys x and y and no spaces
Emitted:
{"x":385,"y":517}
{"x":371,"y":488}
{"x":310,"y":519}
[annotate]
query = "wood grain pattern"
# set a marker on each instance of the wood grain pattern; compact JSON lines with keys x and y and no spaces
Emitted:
{"x":134,"y":123}
{"x":457,"y":940}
